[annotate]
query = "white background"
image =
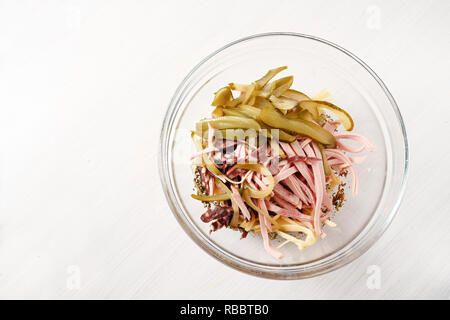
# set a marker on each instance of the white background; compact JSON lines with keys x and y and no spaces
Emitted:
{"x":84,"y":86}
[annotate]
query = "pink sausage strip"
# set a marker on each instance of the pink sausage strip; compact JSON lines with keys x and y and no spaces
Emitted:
{"x":206,"y":150}
{"x":293,"y":183}
{"x":306,"y":173}
{"x":267,"y":245}
{"x":329,"y":127}
{"x":260,"y":183}
{"x":306,"y":190}
{"x":366,"y":144}
{"x":285,"y":173}
{"x":211,"y":186}
{"x":319,"y":187}
{"x":254,"y":186}
{"x":346,"y":148}
{"x":250,"y":176}
{"x":305,"y":142}
{"x":283,"y":212}
{"x":283,"y":203}
{"x":240,"y":202}
{"x":343,"y":158}
{"x":262,"y":205}
{"x":327,"y":201}
{"x":300,"y":165}
{"x":283,"y":193}
{"x":242,"y":154}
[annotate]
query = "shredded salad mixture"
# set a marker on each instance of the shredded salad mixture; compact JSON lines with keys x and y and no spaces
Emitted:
{"x":271,"y":161}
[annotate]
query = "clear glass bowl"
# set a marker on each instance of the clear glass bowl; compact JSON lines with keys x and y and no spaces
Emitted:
{"x":315,"y":64}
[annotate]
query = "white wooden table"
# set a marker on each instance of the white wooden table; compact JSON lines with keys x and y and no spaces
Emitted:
{"x":83,"y":89}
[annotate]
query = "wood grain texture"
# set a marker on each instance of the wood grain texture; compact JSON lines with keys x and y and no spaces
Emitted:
{"x":83,"y":89}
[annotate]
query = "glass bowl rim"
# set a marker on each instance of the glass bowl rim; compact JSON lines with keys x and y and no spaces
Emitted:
{"x":299,"y":271}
